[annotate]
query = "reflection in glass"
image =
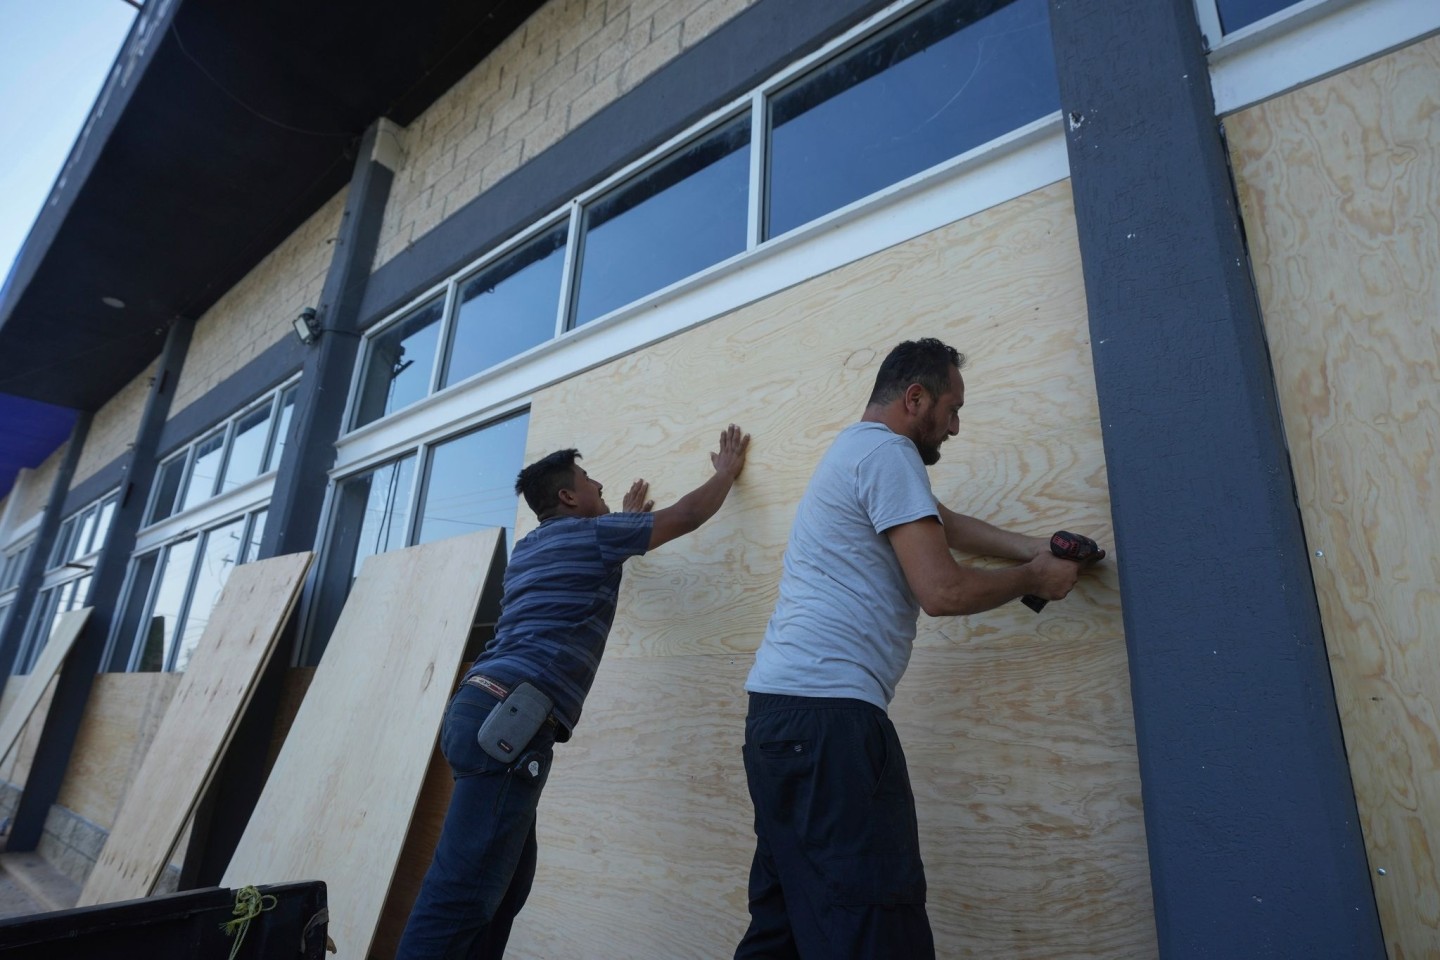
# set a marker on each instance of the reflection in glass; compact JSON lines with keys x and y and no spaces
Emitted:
{"x":160,"y":629}
{"x":37,"y":631}
{"x":676,"y":218}
{"x":257,"y":533}
{"x":247,"y":448}
{"x":384,"y":497}
{"x":282,"y":428}
{"x":508,"y":307}
{"x":60,"y":553}
{"x":398,"y":364}
{"x":218,"y":557}
{"x":472,"y":481}
{"x":204,"y":470}
{"x":84,"y":530}
{"x":102,"y":523}
{"x":939,"y":82}
{"x":1235,"y":14}
{"x":167,"y":486}
{"x":125,"y":634}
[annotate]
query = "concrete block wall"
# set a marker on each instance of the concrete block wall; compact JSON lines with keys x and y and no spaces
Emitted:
{"x":256,"y":313}
{"x":32,"y":487}
{"x":113,"y":428}
{"x":570,"y":59}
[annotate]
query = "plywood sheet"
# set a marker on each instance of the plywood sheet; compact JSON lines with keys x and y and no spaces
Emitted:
{"x":67,"y":629}
{"x":212,"y":693}
{"x":1019,"y":727}
{"x":1340,"y":188}
{"x":121,"y":718}
{"x":339,"y":800}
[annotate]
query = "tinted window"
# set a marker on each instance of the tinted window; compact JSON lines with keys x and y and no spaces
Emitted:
{"x":158,"y":634}
{"x":380,"y":502}
{"x":84,"y":530}
{"x":675,"y":219}
{"x":167,"y":486}
{"x":247,"y":448}
{"x":282,"y":429}
{"x":398,"y":364}
{"x":472,"y":482}
{"x":102,"y":523}
{"x":61,"y":551}
{"x":1235,"y":14}
{"x":257,"y":533}
{"x":218,"y":557}
{"x":508,"y":307}
{"x":204,"y":469}
{"x":127,"y":633}
{"x":939,"y":82}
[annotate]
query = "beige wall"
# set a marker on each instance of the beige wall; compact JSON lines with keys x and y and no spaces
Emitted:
{"x":32,"y":487}
{"x":114,"y":426}
{"x":256,"y":312}
{"x":570,"y":59}
{"x":1018,"y":727}
{"x":1339,"y":185}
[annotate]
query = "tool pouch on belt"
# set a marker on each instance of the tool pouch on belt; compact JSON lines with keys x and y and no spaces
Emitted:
{"x":510,"y":727}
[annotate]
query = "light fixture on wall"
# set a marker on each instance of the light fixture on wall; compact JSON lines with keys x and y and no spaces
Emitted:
{"x":307,"y":326}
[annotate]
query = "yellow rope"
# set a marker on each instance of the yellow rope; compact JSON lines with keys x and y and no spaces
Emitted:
{"x":249,"y":904}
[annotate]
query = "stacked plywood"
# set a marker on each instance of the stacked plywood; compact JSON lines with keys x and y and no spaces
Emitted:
{"x":339,"y":800}
{"x":198,"y":725}
{"x":32,"y":688}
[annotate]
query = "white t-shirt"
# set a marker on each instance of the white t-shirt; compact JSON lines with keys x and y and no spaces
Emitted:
{"x":845,"y":621}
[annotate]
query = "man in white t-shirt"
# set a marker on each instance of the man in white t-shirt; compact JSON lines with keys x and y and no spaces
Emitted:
{"x":837,"y":871}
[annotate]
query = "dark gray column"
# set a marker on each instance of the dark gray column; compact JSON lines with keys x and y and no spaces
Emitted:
{"x":57,"y":739}
{"x":299,"y":494}
{"x":1250,"y":816}
{"x":34,"y":569}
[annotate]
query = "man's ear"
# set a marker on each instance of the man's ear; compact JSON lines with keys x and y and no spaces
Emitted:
{"x":914,"y":394}
{"x":566,"y":497}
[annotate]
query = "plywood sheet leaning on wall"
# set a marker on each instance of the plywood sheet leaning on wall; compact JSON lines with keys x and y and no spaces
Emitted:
{"x":1340,"y":188}
{"x":237,"y":643}
{"x":67,"y":629}
{"x":1018,"y":727}
{"x":340,"y":796}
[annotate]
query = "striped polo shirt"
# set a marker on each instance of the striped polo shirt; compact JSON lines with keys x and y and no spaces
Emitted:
{"x":560,"y":590}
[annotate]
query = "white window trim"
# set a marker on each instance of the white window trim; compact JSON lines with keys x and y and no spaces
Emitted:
{"x":398,"y":429}
{"x":1309,"y":41}
{"x":241,"y":500}
{"x":1025,"y":160}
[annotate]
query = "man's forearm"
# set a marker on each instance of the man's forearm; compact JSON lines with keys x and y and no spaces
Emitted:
{"x":977,"y":537}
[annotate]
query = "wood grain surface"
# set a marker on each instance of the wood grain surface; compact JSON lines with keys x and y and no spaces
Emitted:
{"x":28,"y":697}
{"x":338,"y":803}
{"x":1018,"y":728}
{"x":201,"y":718}
{"x":121,"y":719}
{"x":1340,"y":188}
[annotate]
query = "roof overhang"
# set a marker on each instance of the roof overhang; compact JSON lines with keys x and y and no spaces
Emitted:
{"x":221,"y":128}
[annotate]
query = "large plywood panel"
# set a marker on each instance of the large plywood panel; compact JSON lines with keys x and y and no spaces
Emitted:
{"x":339,"y":800}
{"x":238,"y":641}
{"x":62,"y":638}
{"x":120,"y":721}
{"x":1018,"y":727}
{"x":1340,"y":187}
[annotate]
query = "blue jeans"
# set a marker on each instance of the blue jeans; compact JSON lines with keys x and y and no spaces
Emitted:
{"x":485,"y":860}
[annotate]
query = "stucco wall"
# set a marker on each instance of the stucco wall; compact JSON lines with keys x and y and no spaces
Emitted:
{"x":113,"y":428}
{"x":32,"y":487}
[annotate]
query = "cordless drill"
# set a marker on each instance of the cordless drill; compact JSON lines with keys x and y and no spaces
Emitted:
{"x":1066,"y":546}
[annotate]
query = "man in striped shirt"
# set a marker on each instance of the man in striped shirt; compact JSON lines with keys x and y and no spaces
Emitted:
{"x":559,"y":600}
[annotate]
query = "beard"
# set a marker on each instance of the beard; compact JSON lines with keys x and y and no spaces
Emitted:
{"x":929,"y":453}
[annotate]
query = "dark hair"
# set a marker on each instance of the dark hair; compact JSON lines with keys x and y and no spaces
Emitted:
{"x":926,"y":362}
{"x":541,"y":482}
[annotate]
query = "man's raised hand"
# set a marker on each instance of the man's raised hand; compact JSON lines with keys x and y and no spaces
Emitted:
{"x":635,"y":498}
{"x":731,"y":458}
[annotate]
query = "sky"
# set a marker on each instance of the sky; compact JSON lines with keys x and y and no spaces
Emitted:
{"x":54,"y":57}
